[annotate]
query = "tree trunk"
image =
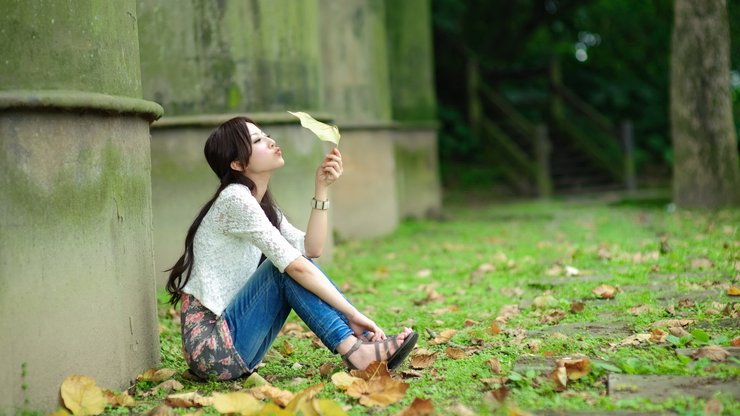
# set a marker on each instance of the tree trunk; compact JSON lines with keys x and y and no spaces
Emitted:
{"x":705,"y":172}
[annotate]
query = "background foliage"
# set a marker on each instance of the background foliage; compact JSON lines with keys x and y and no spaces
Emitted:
{"x":615,"y":55}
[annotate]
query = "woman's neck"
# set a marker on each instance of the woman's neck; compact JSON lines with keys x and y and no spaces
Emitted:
{"x":261,"y":181}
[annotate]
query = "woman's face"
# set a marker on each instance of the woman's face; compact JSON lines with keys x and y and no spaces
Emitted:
{"x":266,"y":155}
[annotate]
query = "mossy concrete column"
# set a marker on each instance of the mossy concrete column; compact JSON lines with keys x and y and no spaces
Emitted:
{"x":77,"y":292}
{"x":208,"y":61}
{"x":410,"y":63}
{"x":356,"y":92}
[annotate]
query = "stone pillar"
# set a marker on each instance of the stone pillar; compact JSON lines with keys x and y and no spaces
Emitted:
{"x":208,"y":61}
{"x":413,"y":102}
{"x":356,"y":93}
{"x":77,"y":292}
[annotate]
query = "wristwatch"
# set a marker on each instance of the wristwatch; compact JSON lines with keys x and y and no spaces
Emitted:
{"x":321,"y":205}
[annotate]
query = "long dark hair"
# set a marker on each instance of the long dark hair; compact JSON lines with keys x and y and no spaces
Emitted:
{"x":228,"y":142}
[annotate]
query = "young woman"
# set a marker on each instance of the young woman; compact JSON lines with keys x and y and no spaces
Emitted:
{"x":245,"y":267}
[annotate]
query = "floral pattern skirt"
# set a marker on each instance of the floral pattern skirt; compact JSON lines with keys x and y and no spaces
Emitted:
{"x":207,"y":344}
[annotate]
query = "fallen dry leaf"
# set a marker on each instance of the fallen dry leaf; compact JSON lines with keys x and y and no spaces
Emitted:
{"x":701,"y":263}
{"x":376,"y":369}
{"x":343,"y":380}
{"x":575,"y":368}
{"x":424,"y":273}
{"x":495,"y":365}
{"x":286,"y":348}
{"x":422,"y":358}
{"x":59,"y":412}
{"x":733,"y":291}
{"x":190,"y":399}
{"x":493,"y":329}
{"x":507,"y":312}
{"x":639,"y":309}
{"x":553,"y":316}
{"x":82,"y":396}
{"x":636,"y":339}
{"x":470,"y":322}
{"x":278,"y":396}
{"x":409,"y":373}
{"x":381,"y":392}
{"x":443,"y":337}
{"x":301,"y":401}
{"x":577,"y":306}
{"x":605,"y":291}
{"x":671,"y":323}
{"x":658,"y":335}
{"x":156,"y":375}
{"x":119,"y":400}
{"x":239,"y":403}
{"x":161,"y":410}
{"x":735,"y":342}
{"x":272,"y":409}
{"x":713,"y":407}
{"x":326,"y":369}
{"x":500,"y":393}
{"x":455,"y":353}
{"x":678,"y":331}
{"x":560,"y":377}
{"x":544,"y":301}
{"x":713,"y":352}
{"x":419,"y":407}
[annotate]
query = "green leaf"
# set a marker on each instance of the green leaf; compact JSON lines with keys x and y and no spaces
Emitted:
{"x":700,"y":335}
{"x":606,"y":366}
{"x":684,"y":359}
{"x":514,"y":376}
{"x":673,"y":339}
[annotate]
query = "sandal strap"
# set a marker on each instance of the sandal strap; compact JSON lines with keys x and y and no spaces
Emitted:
{"x":395,"y":341}
{"x":351,"y":351}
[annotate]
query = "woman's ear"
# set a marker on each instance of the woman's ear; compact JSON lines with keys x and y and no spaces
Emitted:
{"x":237,"y":166}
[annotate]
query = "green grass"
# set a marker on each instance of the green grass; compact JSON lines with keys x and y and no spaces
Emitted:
{"x":388,"y":279}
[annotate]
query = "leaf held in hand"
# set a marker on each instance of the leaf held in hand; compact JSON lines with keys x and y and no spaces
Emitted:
{"x":82,"y":396}
{"x":323,"y":131}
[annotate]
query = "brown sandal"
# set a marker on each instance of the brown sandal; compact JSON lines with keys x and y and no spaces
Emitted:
{"x":394,"y":360}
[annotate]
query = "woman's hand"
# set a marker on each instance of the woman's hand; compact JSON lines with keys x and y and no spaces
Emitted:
{"x":330,"y":170}
{"x":360,"y":324}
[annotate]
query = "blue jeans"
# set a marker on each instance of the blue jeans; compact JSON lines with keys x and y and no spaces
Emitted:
{"x":260,"y":309}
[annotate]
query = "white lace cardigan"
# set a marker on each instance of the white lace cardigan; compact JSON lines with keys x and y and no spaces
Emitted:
{"x":229,"y":243}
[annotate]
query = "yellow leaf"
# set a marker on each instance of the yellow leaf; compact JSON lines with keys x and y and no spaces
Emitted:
{"x":302,"y":400}
{"x":271,"y":409}
{"x":325,"y":132}
{"x":343,"y":380}
{"x":733,"y":291}
{"x":191,"y":399}
{"x":279,"y":396}
{"x":59,"y":412}
{"x":82,"y":396}
{"x":326,"y":407}
{"x":118,"y":400}
{"x":236,"y":402}
{"x":381,"y":392}
{"x":156,"y":375}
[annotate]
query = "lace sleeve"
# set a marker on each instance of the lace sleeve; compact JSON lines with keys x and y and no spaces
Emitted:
{"x":295,"y":237}
{"x":239,"y":214}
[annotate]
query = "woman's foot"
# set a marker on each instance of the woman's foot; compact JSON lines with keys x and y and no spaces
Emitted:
{"x":364,"y":354}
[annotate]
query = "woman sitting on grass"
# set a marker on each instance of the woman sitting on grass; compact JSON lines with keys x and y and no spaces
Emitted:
{"x":245,"y":267}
